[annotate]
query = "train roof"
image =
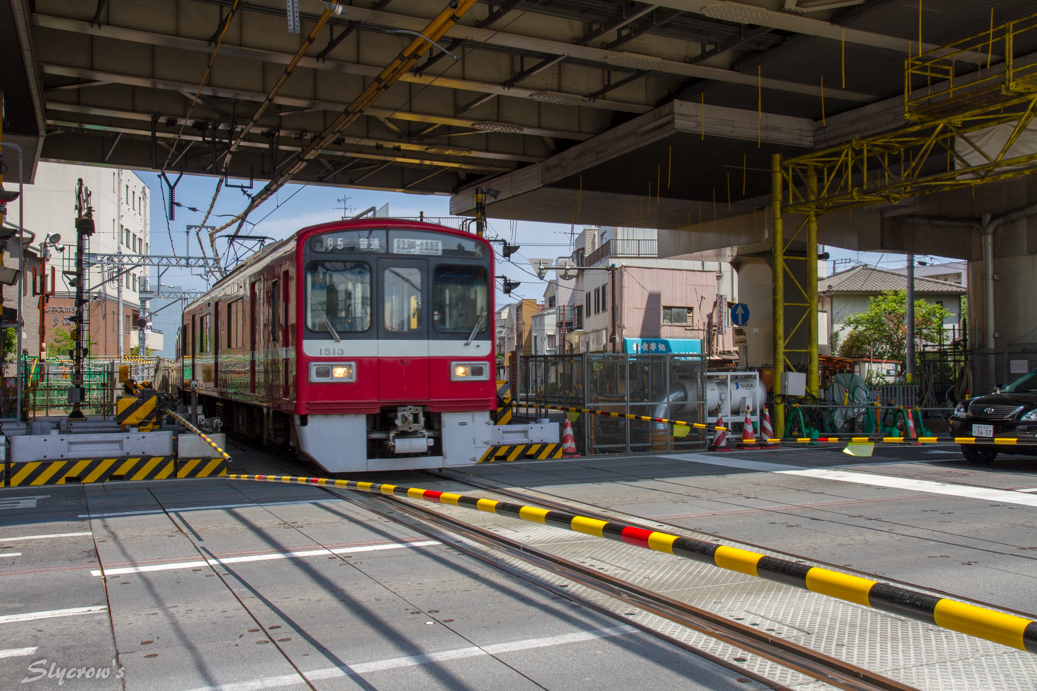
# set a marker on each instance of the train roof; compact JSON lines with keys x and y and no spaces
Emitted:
{"x":331,"y":226}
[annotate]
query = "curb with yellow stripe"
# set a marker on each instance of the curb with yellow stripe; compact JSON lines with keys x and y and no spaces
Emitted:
{"x":86,"y":471}
{"x":516,"y":452}
{"x":990,"y":625}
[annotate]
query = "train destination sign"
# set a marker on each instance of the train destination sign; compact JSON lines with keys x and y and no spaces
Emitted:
{"x":417,"y":246}
{"x":350,"y":241}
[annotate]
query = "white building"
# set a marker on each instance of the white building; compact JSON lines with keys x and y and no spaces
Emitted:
{"x":545,"y":332}
{"x":122,"y":223}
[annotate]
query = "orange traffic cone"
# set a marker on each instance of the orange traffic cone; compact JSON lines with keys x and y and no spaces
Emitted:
{"x":909,"y":414}
{"x":569,"y":440}
{"x":748,"y":435}
{"x":720,"y":438}
{"x":765,"y":428}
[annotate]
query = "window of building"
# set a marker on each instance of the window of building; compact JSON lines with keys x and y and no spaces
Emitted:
{"x":604,"y":299}
{"x":588,"y":307}
{"x":535,"y":342}
{"x":551,"y":302}
{"x":676,"y":315}
{"x":597,"y":300}
{"x":577,"y":317}
{"x":550,"y":341}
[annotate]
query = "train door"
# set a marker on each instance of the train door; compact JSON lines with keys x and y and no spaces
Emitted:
{"x":252,"y":331}
{"x":216,"y":346}
{"x":403,"y":352}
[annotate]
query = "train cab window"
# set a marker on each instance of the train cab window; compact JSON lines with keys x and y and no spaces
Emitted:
{"x":402,"y":299}
{"x":459,"y":298}
{"x":338,"y":295}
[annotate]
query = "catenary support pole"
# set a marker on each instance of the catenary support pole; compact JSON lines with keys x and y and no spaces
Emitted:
{"x":778,"y":286}
{"x":813,"y":363}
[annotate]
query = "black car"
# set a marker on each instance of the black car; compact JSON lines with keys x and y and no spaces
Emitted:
{"x":1009,"y":412}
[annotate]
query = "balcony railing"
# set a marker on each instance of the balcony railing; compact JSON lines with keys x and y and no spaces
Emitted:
{"x":623,"y":248}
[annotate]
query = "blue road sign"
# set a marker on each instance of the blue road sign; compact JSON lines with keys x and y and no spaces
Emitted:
{"x":740,"y":314}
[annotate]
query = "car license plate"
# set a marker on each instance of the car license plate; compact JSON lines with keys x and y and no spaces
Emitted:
{"x":982,"y":430}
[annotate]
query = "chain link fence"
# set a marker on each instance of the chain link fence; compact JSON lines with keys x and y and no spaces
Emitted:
{"x":46,"y":384}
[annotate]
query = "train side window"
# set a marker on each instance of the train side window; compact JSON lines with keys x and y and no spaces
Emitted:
{"x":339,"y":293}
{"x":275,"y":311}
{"x":234,"y":324}
{"x":402,"y":299}
{"x":205,"y":335}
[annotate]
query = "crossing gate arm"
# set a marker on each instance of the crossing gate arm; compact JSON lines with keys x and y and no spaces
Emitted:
{"x":980,"y":622}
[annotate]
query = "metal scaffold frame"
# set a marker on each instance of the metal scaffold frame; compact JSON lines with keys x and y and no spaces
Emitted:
{"x":941,"y":151}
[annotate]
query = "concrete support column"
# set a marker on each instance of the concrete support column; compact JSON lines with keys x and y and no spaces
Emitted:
{"x":989,"y":341}
{"x":813,"y":363}
{"x":778,"y":286}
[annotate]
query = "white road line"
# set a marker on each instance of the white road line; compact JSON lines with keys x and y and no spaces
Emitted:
{"x":261,"y":557}
{"x":1000,"y":496}
{"x":1032,"y":489}
{"x":416,"y":660}
{"x":116,"y":514}
{"x":51,"y":614}
{"x":24,"y":502}
{"x":17,"y":652}
{"x":11,"y":554}
{"x":741,"y":464}
{"x":43,"y":537}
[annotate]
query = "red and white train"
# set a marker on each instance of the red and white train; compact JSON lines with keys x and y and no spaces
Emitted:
{"x":366,"y":345}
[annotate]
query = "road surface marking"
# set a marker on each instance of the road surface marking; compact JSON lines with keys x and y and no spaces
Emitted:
{"x":260,"y":557}
{"x":28,"y":502}
{"x":17,"y":652}
{"x":146,"y":512}
{"x":11,"y":554}
{"x":51,"y":614}
{"x":43,"y":537}
{"x":741,"y":464}
{"x":416,"y":660}
{"x":926,"y":486}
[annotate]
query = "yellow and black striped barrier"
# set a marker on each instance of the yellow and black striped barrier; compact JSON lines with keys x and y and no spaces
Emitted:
{"x":88,"y":471}
{"x":201,"y":434}
{"x":504,"y":407}
{"x":516,"y":452}
{"x":138,"y":411}
{"x":988,"y":624}
{"x":622,"y":416}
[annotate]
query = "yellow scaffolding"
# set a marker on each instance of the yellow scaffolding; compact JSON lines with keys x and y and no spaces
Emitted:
{"x":968,"y":108}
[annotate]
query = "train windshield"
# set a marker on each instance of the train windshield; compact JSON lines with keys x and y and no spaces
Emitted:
{"x":402,"y":298}
{"x":459,"y":298}
{"x":338,"y":296}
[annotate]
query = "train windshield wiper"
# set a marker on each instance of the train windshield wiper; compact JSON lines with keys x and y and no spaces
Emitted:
{"x":324,"y":317}
{"x":475,"y":330}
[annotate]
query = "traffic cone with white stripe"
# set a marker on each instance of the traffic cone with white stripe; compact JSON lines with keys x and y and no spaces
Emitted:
{"x":720,"y":438}
{"x":766,"y":431}
{"x":911,"y":433}
{"x":748,"y":435}
{"x":569,"y":440}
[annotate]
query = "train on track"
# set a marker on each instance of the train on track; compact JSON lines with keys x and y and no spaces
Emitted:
{"x":366,"y":345}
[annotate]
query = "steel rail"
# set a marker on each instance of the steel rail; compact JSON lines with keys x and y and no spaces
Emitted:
{"x":808,"y":662}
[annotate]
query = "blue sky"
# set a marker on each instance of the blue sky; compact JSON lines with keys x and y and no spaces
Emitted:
{"x":298,"y":206}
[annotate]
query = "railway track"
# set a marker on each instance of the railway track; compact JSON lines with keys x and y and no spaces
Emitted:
{"x":806,"y":661}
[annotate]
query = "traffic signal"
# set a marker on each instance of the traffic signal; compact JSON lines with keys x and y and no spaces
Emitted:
{"x":510,"y":285}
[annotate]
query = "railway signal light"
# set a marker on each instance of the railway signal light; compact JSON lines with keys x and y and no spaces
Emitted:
{"x":507,"y":250}
{"x":509,"y":285}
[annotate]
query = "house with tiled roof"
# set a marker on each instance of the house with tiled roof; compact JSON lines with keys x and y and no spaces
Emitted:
{"x":847,"y":292}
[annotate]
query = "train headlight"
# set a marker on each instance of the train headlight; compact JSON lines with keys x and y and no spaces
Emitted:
{"x":333,"y":372}
{"x":469,"y":371}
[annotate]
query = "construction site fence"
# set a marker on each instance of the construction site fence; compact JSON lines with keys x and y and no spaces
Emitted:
{"x":661,"y":385}
{"x":803,"y":419}
{"x":46,"y":383}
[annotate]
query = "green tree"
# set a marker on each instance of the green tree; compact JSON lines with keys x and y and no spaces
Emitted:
{"x":881,"y":330}
{"x":135,"y":351}
{"x":60,"y":342}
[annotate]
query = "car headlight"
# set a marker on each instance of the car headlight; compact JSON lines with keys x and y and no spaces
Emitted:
{"x":332,"y":371}
{"x":962,"y":409}
{"x":1031,"y":416}
{"x":469,"y":371}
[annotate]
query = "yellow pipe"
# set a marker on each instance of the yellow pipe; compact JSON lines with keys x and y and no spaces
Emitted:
{"x":778,"y":286}
{"x":813,"y":364}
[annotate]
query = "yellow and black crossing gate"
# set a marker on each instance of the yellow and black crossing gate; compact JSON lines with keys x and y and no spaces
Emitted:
{"x":109,"y":470}
{"x":140,"y":411}
{"x":505,"y":410}
{"x":517,"y":452}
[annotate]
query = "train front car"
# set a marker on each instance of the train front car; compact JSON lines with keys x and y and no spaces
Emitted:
{"x":396,"y":361}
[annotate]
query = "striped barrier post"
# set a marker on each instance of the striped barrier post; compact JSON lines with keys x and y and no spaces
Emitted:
{"x":201,"y":434}
{"x":998,"y":627}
